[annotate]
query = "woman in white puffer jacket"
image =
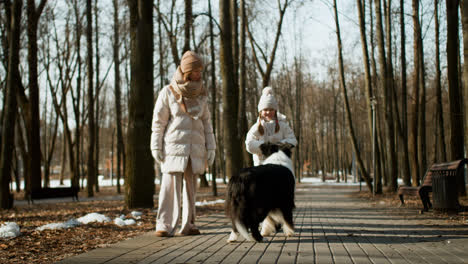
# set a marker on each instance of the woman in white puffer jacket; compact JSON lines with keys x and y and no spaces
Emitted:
{"x":182,"y":141}
{"x":271,"y":127}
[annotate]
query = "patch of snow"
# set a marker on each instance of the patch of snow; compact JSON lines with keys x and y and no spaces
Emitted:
{"x":94,"y":217}
{"x":136,"y":214}
{"x":9,"y":230}
{"x":64,"y":225}
{"x":124,"y":222}
{"x":318,"y":181}
{"x":209,"y":202}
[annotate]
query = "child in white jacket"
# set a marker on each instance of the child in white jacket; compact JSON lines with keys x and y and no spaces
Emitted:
{"x":271,"y":127}
{"x":182,"y":141}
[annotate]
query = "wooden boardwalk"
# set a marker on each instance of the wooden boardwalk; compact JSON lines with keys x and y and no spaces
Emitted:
{"x":331,"y":227}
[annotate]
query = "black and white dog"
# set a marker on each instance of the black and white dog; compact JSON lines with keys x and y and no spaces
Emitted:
{"x":263,"y":193}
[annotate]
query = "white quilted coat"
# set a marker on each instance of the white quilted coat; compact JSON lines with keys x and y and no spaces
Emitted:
{"x":180,"y":136}
{"x":254,"y":139}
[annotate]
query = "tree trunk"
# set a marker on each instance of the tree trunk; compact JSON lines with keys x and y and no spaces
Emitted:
{"x":34,"y":139}
{"x":243,"y":124}
{"x":422,"y":152}
{"x":345,"y":99}
{"x":139,"y":166}
{"x":8,"y":126}
{"x":455,"y":96}
{"x":368,"y":81}
{"x":386,"y":82}
{"x":63,"y":158}
{"x":117,"y":93}
{"x":188,"y":25}
{"x":91,"y":130}
{"x":97,"y":101}
{"x":413,"y":136}
{"x":464,"y":8}
{"x":232,"y":147}
{"x":390,"y":102}
{"x":213,"y":95}
{"x":76,"y":103}
{"x":404,"y":112}
{"x":440,"y":154}
{"x":297,"y":117}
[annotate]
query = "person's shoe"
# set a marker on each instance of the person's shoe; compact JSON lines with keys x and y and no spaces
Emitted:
{"x":161,"y":233}
{"x":191,"y":232}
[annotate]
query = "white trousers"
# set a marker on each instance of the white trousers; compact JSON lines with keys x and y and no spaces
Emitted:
{"x":169,"y":208}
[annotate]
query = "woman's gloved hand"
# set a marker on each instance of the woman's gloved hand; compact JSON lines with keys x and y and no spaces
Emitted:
{"x":158,"y":155}
{"x":211,"y":157}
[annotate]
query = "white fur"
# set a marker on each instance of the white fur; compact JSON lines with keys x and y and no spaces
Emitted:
{"x":280,"y":158}
{"x":269,"y":224}
{"x":232,"y":237}
{"x":243,"y":231}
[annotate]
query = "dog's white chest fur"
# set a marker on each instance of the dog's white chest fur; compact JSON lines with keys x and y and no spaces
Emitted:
{"x":279,"y":158}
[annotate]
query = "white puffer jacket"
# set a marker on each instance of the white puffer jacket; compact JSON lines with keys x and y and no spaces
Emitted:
{"x":180,"y":136}
{"x":254,"y":139}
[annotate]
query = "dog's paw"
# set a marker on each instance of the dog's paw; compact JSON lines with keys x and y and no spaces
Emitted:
{"x":232,"y":237}
{"x":288,"y":231}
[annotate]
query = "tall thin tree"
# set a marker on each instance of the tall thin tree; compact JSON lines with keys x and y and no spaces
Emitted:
{"x":464,"y":8}
{"x":346,"y":102}
{"x":413,"y":136}
{"x":34,"y":139}
{"x":440,"y":155}
{"x":139,"y":181}
{"x":117,"y":92}
{"x":230,"y":93}
{"x":90,"y":71}
{"x":455,"y":96}
{"x":13,"y":79}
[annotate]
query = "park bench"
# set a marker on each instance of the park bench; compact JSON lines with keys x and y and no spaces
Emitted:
{"x":57,"y":192}
{"x":452,"y":168}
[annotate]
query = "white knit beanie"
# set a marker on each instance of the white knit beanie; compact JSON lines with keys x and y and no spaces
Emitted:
{"x":267,"y":100}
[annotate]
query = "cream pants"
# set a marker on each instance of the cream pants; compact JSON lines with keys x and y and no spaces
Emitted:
{"x":169,"y":208}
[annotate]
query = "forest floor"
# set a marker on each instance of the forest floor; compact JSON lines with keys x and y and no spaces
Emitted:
{"x":49,"y":246}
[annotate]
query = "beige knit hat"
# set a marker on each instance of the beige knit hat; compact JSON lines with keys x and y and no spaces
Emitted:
{"x":267,"y":100}
{"x":190,"y":61}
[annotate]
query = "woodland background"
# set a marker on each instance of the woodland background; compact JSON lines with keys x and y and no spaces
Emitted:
{"x":79,"y":80}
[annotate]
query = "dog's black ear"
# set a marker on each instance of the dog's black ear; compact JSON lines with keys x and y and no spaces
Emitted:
{"x":265,"y":148}
{"x":268,"y":149}
{"x":286,"y":148}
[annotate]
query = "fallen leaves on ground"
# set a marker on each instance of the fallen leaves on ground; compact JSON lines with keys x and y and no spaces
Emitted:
{"x":50,"y":246}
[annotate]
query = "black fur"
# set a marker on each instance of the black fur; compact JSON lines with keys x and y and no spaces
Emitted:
{"x":256,"y":191}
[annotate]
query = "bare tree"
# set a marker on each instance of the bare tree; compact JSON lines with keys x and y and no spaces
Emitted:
{"x":440,"y":154}
{"x":139,"y":166}
{"x":34,"y":146}
{"x":13,"y":79}
{"x":464,"y":9}
{"x":91,"y":170}
{"x":213,"y":94}
{"x":455,"y":96}
{"x":345,"y":99}
{"x":117,"y":93}
{"x":230,"y":93}
{"x":188,"y":25}
{"x":269,"y":62}
{"x":413,"y":137}
{"x":403,"y":131}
